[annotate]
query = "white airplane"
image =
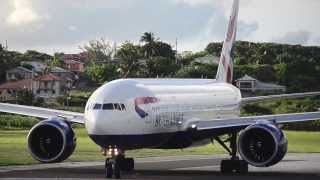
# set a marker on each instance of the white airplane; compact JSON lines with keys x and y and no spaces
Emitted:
{"x":130,"y":114}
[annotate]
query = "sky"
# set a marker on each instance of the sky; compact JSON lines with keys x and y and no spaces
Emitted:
{"x":64,"y":25}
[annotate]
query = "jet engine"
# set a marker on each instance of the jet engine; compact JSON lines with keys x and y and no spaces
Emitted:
{"x":51,"y":140}
{"x":262,"y":144}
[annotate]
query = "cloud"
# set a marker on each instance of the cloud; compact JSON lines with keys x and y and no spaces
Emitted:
{"x":295,"y":37}
{"x":46,"y":24}
{"x":72,"y":28}
{"x":22,"y":13}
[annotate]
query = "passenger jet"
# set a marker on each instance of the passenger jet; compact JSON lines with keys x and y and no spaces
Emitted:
{"x":128,"y":114}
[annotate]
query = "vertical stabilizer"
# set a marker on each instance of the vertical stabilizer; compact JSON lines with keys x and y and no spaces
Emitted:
{"x":225,"y":69}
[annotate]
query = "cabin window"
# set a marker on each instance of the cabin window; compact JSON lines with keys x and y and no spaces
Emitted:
{"x":97,"y":106}
{"x":108,"y":106}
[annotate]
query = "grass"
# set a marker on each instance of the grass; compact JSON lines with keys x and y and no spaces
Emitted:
{"x":13,"y":147}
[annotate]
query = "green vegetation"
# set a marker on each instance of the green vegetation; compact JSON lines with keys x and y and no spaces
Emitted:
{"x":8,"y":121}
{"x":13,"y":147}
{"x":287,"y":106}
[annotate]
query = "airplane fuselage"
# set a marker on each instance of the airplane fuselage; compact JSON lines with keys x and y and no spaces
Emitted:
{"x":141,"y":113}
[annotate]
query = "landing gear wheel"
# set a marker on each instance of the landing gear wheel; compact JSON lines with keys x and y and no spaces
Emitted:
{"x":126,"y":164}
{"x":108,"y":169}
{"x":226,"y":166}
{"x":116,"y":170}
{"x":243,"y":167}
{"x":230,"y":166}
{"x":130,"y":164}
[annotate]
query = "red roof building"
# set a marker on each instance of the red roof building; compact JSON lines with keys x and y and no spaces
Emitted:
{"x":46,"y":86}
{"x":8,"y":90}
{"x":82,"y":57}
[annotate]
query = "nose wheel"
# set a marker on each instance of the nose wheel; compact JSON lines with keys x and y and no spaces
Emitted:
{"x":112,"y":168}
{"x":117,"y":163}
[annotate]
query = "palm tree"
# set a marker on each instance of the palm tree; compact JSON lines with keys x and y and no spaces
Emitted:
{"x":148,"y":49}
{"x":147,"y":37}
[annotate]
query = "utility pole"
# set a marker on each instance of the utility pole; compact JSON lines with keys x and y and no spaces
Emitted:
{"x":6,"y":47}
{"x":177,"y":45}
{"x":176,"y":50}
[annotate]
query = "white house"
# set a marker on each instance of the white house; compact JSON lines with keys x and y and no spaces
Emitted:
{"x":248,"y":83}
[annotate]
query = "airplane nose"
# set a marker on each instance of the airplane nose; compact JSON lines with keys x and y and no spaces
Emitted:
{"x":93,"y":123}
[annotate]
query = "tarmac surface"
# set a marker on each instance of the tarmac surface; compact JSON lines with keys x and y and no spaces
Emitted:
{"x":294,"y":166}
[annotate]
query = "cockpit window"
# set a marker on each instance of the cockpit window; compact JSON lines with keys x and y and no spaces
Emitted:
{"x":117,"y":106}
{"x":108,"y":106}
{"x":112,"y":106}
{"x":123,"y":107}
{"x":97,"y":106}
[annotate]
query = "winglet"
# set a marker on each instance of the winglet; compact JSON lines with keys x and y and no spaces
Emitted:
{"x":225,"y":69}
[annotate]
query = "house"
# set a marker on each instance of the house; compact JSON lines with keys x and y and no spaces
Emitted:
{"x":74,"y":66}
{"x":18,"y":73}
{"x":208,"y":59}
{"x":45,"y":86}
{"x":81,"y":57}
{"x":62,"y":73}
{"x":38,"y":67}
{"x":248,"y":83}
{"x":49,"y":86}
{"x":8,"y":91}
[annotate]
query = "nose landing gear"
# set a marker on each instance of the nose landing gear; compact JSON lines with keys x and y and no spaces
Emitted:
{"x":117,"y":163}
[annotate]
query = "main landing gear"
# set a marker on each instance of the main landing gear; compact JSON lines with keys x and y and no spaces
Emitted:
{"x":234,"y":164}
{"x":117,"y":163}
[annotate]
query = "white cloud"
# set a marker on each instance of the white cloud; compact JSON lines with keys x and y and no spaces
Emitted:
{"x":72,"y":28}
{"x":194,"y":2}
{"x":23,"y":13}
{"x":194,"y":22}
{"x":295,"y":37}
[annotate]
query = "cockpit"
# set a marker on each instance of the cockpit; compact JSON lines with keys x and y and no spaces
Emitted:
{"x":107,"y":106}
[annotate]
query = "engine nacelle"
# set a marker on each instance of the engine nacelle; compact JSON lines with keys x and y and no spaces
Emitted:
{"x":51,"y":141}
{"x":262,"y":144}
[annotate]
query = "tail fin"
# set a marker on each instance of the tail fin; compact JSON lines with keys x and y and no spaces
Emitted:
{"x":225,"y":69}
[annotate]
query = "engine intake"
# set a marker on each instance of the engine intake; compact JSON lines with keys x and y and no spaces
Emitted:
{"x":262,"y":144}
{"x":51,"y":141}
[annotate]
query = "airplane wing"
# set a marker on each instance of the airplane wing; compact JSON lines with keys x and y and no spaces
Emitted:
{"x":243,"y":122}
{"x":249,"y":100}
{"x":42,"y":112}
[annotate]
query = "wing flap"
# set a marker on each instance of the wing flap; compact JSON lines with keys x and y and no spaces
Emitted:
{"x":41,"y":112}
{"x":246,"y":121}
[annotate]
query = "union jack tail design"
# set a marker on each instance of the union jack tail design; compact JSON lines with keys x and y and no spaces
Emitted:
{"x":225,"y":69}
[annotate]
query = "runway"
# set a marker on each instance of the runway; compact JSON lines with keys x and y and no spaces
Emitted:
{"x":294,"y":166}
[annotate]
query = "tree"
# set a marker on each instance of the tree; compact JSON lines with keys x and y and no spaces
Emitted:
{"x":57,"y":59}
{"x":8,"y":60}
{"x":147,"y":37}
{"x":129,"y":55}
{"x":98,"y":50}
{"x":154,"y":48}
{"x":161,"y":66}
{"x":148,"y":48}
{"x":214,"y":48}
{"x":198,"y":70}
{"x":25,"y":97}
{"x":102,"y":73}
{"x":31,"y":55}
